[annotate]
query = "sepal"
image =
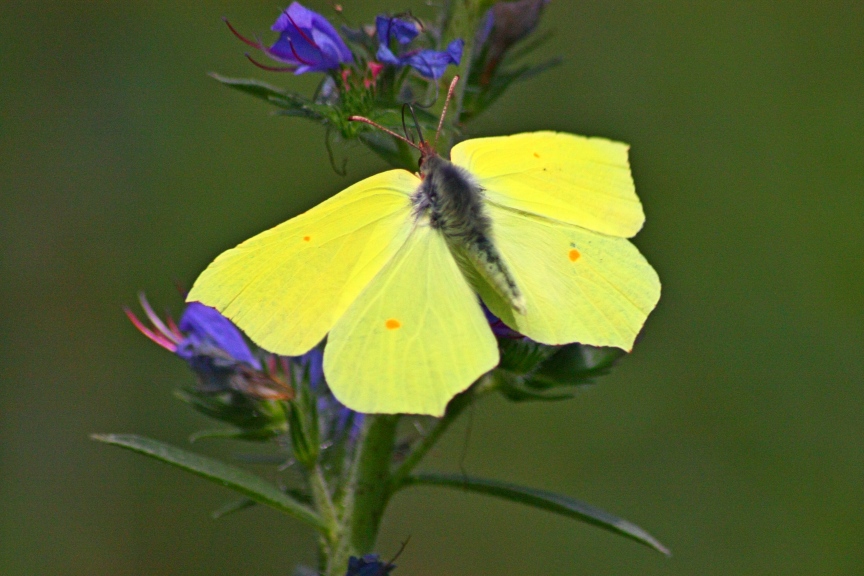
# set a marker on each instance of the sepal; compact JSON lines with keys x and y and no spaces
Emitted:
{"x":254,"y":419}
{"x":534,"y":371}
{"x":303,"y":425}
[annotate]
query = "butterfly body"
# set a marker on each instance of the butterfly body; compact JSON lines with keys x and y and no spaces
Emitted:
{"x":453,"y":200}
{"x":393,"y":269}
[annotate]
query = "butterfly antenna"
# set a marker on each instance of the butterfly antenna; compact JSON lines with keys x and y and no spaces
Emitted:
{"x":417,"y":125}
{"x":383,"y":129}
{"x":446,"y":105}
{"x":405,"y":126}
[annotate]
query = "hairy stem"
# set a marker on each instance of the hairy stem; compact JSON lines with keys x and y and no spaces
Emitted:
{"x":372,"y":491}
{"x":323,"y":501}
{"x":366,"y":495}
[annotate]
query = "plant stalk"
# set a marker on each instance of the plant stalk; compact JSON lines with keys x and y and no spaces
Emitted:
{"x":366,"y":496}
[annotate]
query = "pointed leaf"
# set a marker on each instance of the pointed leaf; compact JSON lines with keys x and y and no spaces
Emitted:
{"x":229,"y":476}
{"x":479,"y":98}
{"x":529,"y":371}
{"x":521,"y":355}
{"x":291,"y":104}
{"x":232,"y":434}
{"x":540,"y":499}
{"x":231,"y":507}
{"x":576,"y":364}
{"x":527,"y":47}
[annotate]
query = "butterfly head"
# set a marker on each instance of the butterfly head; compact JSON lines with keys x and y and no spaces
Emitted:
{"x":428,"y":157}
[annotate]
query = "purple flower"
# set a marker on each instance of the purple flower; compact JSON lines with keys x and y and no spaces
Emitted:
{"x":214,"y":349}
{"x":208,"y":333}
{"x":499,"y":328}
{"x":403,"y":31}
{"x":429,"y":63}
{"x":307,"y":42}
{"x":368,"y":565}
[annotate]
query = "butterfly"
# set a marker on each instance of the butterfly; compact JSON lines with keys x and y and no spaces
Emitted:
{"x":393,"y":269}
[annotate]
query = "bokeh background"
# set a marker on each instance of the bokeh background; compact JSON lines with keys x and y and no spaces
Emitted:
{"x":734,"y":432}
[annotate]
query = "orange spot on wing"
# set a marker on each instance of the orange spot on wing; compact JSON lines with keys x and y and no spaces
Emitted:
{"x":306,"y":238}
{"x":574,"y":255}
{"x":536,"y":155}
{"x":393,"y":324}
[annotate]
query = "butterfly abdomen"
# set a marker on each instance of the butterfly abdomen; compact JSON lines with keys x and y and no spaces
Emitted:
{"x":454,"y":202}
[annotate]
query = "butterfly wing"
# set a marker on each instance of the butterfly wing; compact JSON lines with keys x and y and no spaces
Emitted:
{"x":414,"y":338}
{"x":574,"y":179}
{"x":578,"y":285}
{"x":288,"y":286}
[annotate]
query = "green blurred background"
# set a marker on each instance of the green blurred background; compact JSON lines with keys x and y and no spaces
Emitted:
{"x":734,"y":433}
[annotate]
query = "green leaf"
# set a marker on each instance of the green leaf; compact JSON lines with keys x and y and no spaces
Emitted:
{"x":258,"y":419}
{"x":521,"y":355}
{"x":393,"y":151}
{"x":576,"y":364}
{"x":525,"y":48}
{"x":520,"y":389}
{"x":532,"y":371}
{"x":232,"y":434}
{"x":232,"y":507}
{"x":540,"y":499}
{"x":291,"y":104}
{"x":479,"y":98}
{"x":229,"y":476}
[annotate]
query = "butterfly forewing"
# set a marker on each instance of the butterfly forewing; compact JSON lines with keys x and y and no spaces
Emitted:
{"x":288,"y":286}
{"x":578,"y":285}
{"x":574,"y":179}
{"x":414,"y":338}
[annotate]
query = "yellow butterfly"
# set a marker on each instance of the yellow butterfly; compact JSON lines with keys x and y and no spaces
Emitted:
{"x":390,"y":269}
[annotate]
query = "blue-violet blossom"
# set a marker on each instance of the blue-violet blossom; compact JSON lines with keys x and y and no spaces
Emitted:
{"x":214,"y":349}
{"x":368,"y":565}
{"x":307,"y":42}
{"x":429,"y":63}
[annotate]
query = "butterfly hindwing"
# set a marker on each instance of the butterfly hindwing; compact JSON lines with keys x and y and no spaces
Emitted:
{"x":574,"y":179}
{"x":414,"y":338}
{"x":578,"y":285}
{"x":288,"y":286}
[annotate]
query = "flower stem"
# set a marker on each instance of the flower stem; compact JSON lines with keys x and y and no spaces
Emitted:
{"x":323,"y":501}
{"x":372,"y":491}
{"x":367,"y":492}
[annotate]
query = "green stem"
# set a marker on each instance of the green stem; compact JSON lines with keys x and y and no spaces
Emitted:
{"x":323,"y":502}
{"x":372,"y":491}
{"x":366,"y":495}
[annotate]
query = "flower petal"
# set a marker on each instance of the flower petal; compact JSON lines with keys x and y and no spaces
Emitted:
{"x":308,"y":40}
{"x":388,"y":28}
{"x":206,"y":328}
{"x":432,"y":63}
